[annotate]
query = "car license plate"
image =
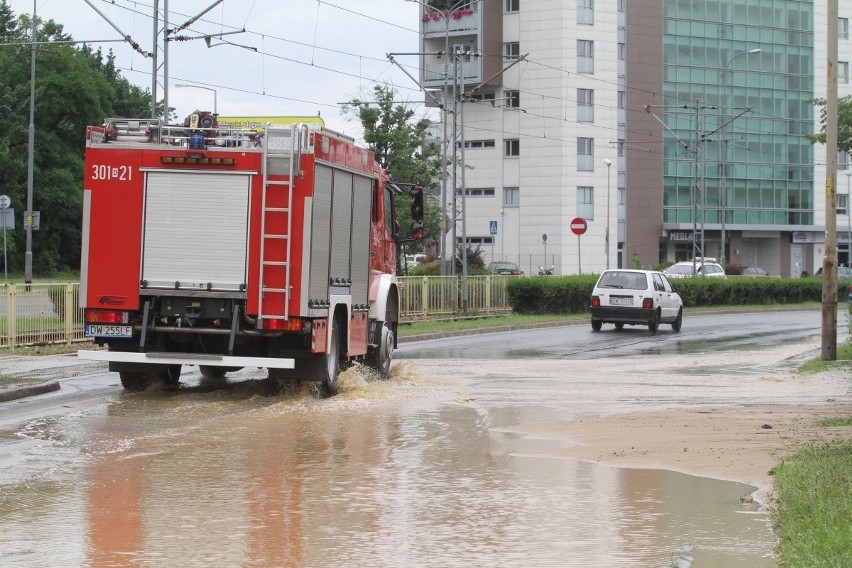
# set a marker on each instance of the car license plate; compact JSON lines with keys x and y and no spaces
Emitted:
{"x":621,"y":301}
{"x":97,"y":330}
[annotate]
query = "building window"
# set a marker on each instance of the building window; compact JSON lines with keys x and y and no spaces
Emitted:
{"x":477,"y":240}
{"x":512,"y":148}
{"x":477,"y":191}
{"x":511,"y":196}
{"x":512,"y":99}
{"x":478,"y":97}
{"x":586,"y":202}
{"x":512,"y":5}
{"x":622,"y":6}
{"x":843,"y":28}
{"x":585,"y":105}
{"x":585,"y":56}
{"x":842,"y":161}
{"x":477,"y":144}
{"x":511,"y":50}
{"x":842,"y":203}
{"x":586,"y":154}
{"x":843,"y":72}
{"x":585,"y":12}
{"x":622,"y":107}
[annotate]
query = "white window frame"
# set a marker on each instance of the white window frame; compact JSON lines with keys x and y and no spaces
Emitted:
{"x":585,"y":154}
{"x":511,"y":147}
{"x":586,"y":202}
{"x":511,"y":196}
{"x":511,"y":50}
{"x":512,"y":5}
{"x":511,"y":99}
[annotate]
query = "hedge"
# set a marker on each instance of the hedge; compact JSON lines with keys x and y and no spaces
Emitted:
{"x":571,"y":294}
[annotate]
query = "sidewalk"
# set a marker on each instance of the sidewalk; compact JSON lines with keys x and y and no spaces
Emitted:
{"x":27,"y":375}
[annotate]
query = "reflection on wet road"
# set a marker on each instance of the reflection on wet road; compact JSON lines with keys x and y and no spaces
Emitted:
{"x":711,"y":334}
{"x":415,"y":471}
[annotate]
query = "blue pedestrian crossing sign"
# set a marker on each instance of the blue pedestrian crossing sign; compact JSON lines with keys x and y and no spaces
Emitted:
{"x":493,"y":227}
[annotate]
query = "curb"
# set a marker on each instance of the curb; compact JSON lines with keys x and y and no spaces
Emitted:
{"x":23,"y":392}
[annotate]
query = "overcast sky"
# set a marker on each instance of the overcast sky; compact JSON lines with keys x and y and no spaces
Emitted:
{"x":296,"y":57}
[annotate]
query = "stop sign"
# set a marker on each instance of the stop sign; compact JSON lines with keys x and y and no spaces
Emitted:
{"x":578,"y":225}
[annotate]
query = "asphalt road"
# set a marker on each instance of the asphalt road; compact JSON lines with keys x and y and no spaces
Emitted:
{"x":702,"y":333}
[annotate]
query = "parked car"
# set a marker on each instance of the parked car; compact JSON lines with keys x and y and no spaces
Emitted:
{"x":501,"y":267}
{"x":412,"y":260}
{"x":708,"y":267}
{"x":754,"y":271}
{"x":635,"y":297}
{"x":842,"y":272}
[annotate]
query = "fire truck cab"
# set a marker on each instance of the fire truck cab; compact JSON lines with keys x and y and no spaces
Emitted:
{"x":230,"y":248}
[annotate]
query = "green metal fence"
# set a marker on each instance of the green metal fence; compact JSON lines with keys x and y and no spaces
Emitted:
{"x":40,"y":313}
{"x":44,"y":313}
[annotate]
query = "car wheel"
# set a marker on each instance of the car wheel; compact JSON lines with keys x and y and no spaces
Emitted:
{"x":619,"y":326}
{"x":654,"y":322}
{"x":597,"y":324}
{"x":678,"y":321}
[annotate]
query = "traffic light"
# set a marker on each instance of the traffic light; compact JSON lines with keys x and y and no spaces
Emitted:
{"x":417,"y":203}
{"x":417,"y":212}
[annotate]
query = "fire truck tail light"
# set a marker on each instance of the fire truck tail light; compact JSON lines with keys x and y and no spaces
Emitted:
{"x":282,"y":325}
{"x":107,"y":316}
{"x":596,"y":302}
{"x":648,"y":304}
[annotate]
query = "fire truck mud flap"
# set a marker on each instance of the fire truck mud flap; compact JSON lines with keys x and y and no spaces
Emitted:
{"x":188,"y":359}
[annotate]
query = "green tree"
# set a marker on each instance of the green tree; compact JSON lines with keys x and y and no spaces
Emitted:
{"x":400,"y":143}
{"x":844,"y":123}
{"x":74,"y":88}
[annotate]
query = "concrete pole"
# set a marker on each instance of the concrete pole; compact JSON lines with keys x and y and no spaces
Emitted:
{"x":28,"y":223}
{"x":829,"y":261}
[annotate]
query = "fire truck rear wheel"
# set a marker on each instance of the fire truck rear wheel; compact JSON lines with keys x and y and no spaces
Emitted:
{"x":134,"y":380}
{"x":170,"y":375}
{"x":332,"y":361}
{"x":381,"y":356}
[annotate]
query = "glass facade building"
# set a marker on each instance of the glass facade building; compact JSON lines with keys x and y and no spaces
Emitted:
{"x":738,"y":76}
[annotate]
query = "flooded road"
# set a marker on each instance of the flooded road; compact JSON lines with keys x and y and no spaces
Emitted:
{"x":453,"y":462}
{"x":421,"y":470}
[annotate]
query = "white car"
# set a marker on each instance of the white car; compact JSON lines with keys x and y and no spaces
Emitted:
{"x":708,"y":267}
{"x":635,"y":297}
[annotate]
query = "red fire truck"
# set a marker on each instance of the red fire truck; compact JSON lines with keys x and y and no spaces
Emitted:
{"x":231,"y":248}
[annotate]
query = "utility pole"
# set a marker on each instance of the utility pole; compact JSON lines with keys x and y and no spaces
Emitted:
{"x":829,"y":261}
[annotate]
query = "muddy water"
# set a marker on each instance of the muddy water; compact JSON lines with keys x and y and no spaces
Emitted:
{"x":414,"y":471}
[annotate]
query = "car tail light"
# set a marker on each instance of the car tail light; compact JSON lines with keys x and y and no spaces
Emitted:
{"x":596,"y":302}
{"x":107,"y":316}
{"x":648,"y":304}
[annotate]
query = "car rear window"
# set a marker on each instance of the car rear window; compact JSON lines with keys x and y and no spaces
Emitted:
{"x":679,"y":269}
{"x":624,"y":280}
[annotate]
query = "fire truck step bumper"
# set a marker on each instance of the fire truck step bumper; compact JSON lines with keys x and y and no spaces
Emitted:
{"x":188,"y":359}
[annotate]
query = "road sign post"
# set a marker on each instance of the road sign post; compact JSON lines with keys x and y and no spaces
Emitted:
{"x":492,"y":228}
{"x":578,"y":227}
{"x":4,"y":205}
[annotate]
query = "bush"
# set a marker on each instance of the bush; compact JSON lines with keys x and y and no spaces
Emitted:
{"x":571,"y":294}
{"x":551,"y":295}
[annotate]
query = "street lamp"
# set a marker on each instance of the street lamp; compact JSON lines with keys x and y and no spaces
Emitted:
{"x":215,"y":109}
{"x":724,"y":183}
{"x":608,"y":163}
{"x":447,"y":261}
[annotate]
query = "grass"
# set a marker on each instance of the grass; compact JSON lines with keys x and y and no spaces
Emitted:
{"x":816,"y":365}
{"x":443,"y":326}
{"x":814,"y":494}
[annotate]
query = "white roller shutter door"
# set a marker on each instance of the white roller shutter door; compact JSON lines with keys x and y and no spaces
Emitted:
{"x":196,"y":230}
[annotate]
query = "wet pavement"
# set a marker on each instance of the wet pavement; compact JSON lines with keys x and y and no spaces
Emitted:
{"x":451,"y":463}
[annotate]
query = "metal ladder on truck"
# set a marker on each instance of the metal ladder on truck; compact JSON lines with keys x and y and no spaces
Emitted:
{"x":282,"y":146}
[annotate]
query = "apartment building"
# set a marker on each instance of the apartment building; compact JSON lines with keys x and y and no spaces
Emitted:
{"x":673,"y":128}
